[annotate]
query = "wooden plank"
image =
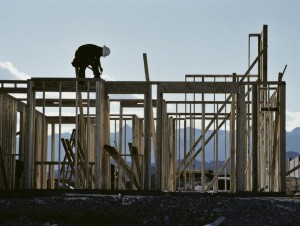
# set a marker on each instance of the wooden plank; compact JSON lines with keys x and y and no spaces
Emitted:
{"x":282,"y":144}
{"x":232,"y":140}
{"x":98,"y":142}
{"x":3,"y":170}
{"x":147,"y":137}
{"x":275,"y":152}
{"x":241,"y":141}
{"x":172,"y":157}
{"x":146,"y":67}
{"x":82,"y":124}
{"x":203,"y":179}
{"x":136,"y":166}
{"x":185,"y":155}
{"x":137,"y":139}
{"x":159,"y":141}
{"x":28,"y":164}
{"x":69,"y":154}
{"x":125,"y":87}
{"x":149,"y":104}
{"x":13,"y":90}
{"x":52,"y":156}
{"x":199,"y":87}
{"x":115,"y":155}
{"x":264,"y":36}
{"x":120,"y":184}
{"x":165,"y":147}
{"x":254,"y":138}
{"x":105,"y":139}
{"x":50,"y":102}
{"x":153,"y":134}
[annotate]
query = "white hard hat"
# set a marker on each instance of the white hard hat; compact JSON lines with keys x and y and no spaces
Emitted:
{"x":105,"y":51}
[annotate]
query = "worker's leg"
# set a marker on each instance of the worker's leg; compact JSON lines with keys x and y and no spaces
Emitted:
{"x":81,"y":74}
{"x":96,"y":71}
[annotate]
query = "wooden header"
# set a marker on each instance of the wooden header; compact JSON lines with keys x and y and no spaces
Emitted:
{"x":198,"y":87}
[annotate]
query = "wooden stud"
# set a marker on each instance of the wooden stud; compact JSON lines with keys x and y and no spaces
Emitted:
{"x":159,"y":127}
{"x":28,"y":164}
{"x":254,"y":138}
{"x":98,"y":141}
{"x":232,"y":141}
{"x":282,"y":162}
{"x":147,"y":137}
{"x":241,"y":141}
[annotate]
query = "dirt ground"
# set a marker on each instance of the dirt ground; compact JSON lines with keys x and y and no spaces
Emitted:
{"x":152,"y":208}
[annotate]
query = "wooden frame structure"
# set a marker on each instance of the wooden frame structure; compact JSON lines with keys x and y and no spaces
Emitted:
{"x":249,"y":108}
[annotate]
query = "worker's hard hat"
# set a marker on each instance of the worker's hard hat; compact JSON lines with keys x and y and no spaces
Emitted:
{"x":105,"y":51}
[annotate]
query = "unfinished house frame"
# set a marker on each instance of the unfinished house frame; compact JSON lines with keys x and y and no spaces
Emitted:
{"x":145,"y":135}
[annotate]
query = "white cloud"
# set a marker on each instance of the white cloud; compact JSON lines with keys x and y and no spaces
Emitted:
{"x":9,"y":72}
{"x":292,"y":120}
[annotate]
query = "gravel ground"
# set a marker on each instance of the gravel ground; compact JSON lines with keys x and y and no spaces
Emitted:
{"x":140,"y":209}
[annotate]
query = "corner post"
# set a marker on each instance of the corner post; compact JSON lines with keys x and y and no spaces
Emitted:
{"x":28,"y":164}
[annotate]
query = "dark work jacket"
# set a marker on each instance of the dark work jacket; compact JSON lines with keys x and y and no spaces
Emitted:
{"x":88,"y":54}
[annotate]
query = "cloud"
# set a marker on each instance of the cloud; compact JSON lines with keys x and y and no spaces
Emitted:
{"x":292,"y":120}
{"x":9,"y":72}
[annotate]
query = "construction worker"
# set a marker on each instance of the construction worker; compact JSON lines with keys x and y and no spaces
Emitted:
{"x":89,"y":55}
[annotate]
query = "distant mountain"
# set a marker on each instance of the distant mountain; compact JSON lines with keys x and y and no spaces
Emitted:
{"x":291,"y":154}
{"x":293,"y":141}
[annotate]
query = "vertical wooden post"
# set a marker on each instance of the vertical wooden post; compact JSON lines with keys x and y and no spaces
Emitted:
{"x":120,"y":184}
{"x":265,"y":55}
{"x":28,"y":164}
{"x":171,"y":155}
{"x":241,"y":141}
{"x":159,"y":127}
{"x":232,"y":140}
{"x":98,"y":143}
{"x":184,"y":149}
{"x":147,"y":137}
{"x":52,"y":155}
{"x":148,"y":127}
{"x":59,"y":133}
{"x":140,"y":141}
{"x":104,"y":139}
{"x":203,"y":182}
{"x":216,"y":150}
{"x":254,"y":138}
{"x":164,"y":153}
{"x":87,"y":150}
{"x":282,"y":161}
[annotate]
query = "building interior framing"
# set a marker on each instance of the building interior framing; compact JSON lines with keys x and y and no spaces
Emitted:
{"x":147,"y":135}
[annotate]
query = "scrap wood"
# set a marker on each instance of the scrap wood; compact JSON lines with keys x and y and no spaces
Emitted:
{"x":123,"y":164}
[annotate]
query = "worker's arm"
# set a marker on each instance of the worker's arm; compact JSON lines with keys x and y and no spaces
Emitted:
{"x":101,"y":69}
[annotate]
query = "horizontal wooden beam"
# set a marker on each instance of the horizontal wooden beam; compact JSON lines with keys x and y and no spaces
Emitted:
{"x":198,"y":87}
{"x":13,"y":90}
{"x":215,"y":75}
{"x":64,"y":102}
{"x":63,"y":119}
{"x":126,"y":87}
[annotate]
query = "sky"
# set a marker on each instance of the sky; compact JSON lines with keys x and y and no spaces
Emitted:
{"x":39,"y":38}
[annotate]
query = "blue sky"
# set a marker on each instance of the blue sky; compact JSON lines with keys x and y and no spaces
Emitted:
{"x":39,"y":37}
